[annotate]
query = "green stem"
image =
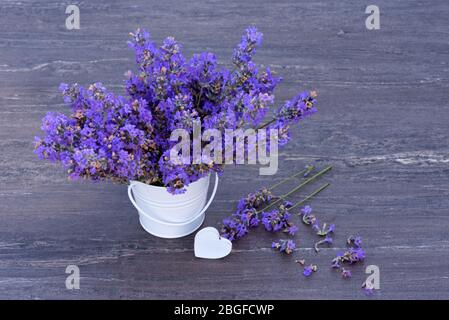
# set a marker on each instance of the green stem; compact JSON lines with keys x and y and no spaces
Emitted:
{"x":199,"y":98}
{"x":310,"y":196}
{"x":297,"y":188}
{"x":302,"y":172}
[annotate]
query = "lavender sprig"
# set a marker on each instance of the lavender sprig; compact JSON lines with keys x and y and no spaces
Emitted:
{"x":308,"y":270}
{"x":247,"y":215}
{"x":283,"y":197}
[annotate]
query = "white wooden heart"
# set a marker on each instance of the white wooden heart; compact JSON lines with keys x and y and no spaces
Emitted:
{"x":209,"y":245}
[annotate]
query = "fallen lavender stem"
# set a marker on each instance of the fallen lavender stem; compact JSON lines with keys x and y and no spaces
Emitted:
{"x":311,"y":195}
{"x":302,"y":172}
{"x":299,"y":187}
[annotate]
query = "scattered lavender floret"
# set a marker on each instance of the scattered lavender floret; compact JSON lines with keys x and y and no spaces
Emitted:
{"x":308,"y":270}
{"x":286,"y":246}
{"x":307,"y":217}
{"x":326,"y":240}
{"x":355,"y":240}
{"x":291,"y":230}
{"x":345,"y":273}
{"x":351,"y":256}
{"x":324,"y":230}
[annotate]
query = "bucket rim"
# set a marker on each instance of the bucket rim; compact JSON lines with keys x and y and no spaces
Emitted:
{"x":151,"y":186}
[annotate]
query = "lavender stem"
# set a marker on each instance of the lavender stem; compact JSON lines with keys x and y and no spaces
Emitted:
{"x":297,"y":188}
{"x":311,"y":195}
{"x":308,"y":169}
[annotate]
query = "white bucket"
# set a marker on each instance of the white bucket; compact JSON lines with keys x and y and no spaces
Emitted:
{"x":171,"y":216}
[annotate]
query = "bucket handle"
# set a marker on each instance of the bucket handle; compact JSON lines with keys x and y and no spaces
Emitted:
{"x":212,"y":196}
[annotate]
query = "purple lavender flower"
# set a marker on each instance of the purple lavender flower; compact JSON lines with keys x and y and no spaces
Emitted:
{"x":355,"y":255}
{"x":246,"y":216}
{"x":306,"y":210}
{"x":345,"y":273}
{"x":233,"y":229}
{"x":286,"y":246}
{"x":308,"y":270}
{"x":294,"y":110}
{"x":279,"y":220}
{"x":291,"y":230}
{"x":324,"y":230}
{"x":109,"y":137}
{"x":255,"y":200}
{"x":352,"y":255}
{"x":307,"y":217}
{"x":355,"y":240}
{"x":326,"y":240}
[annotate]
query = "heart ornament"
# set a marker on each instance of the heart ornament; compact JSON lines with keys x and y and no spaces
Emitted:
{"x":209,"y":245}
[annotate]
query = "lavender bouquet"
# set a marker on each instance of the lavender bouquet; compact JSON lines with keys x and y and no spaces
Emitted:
{"x":127,"y":138}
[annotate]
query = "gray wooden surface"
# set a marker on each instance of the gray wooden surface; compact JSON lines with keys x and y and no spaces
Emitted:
{"x":382,"y":123}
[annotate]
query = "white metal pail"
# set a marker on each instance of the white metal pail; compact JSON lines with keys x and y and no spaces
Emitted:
{"x":171,"y":216}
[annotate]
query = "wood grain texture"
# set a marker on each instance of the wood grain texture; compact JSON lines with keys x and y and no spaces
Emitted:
{"x":382,"y":123}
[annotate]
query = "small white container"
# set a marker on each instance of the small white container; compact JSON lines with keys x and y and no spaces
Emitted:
{"x":171,"y":216}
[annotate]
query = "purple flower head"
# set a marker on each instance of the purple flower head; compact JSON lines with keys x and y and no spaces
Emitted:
{"x":306,"y":210}
{"x":324,"y":230}
{"x":352,"y":255}
{"x":285,"y":246}
{"x":308,"y":270}
{"x":233,"y":229}
{"x":246,"y":216}
{"x":247,"y":47}
{"x":291,"y":230}
{"x":277,"y":220}
{"x":308,"y":218}
{"x":355,"y":255}
{"x":326,"y":240}
{"x":255,"y":200}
